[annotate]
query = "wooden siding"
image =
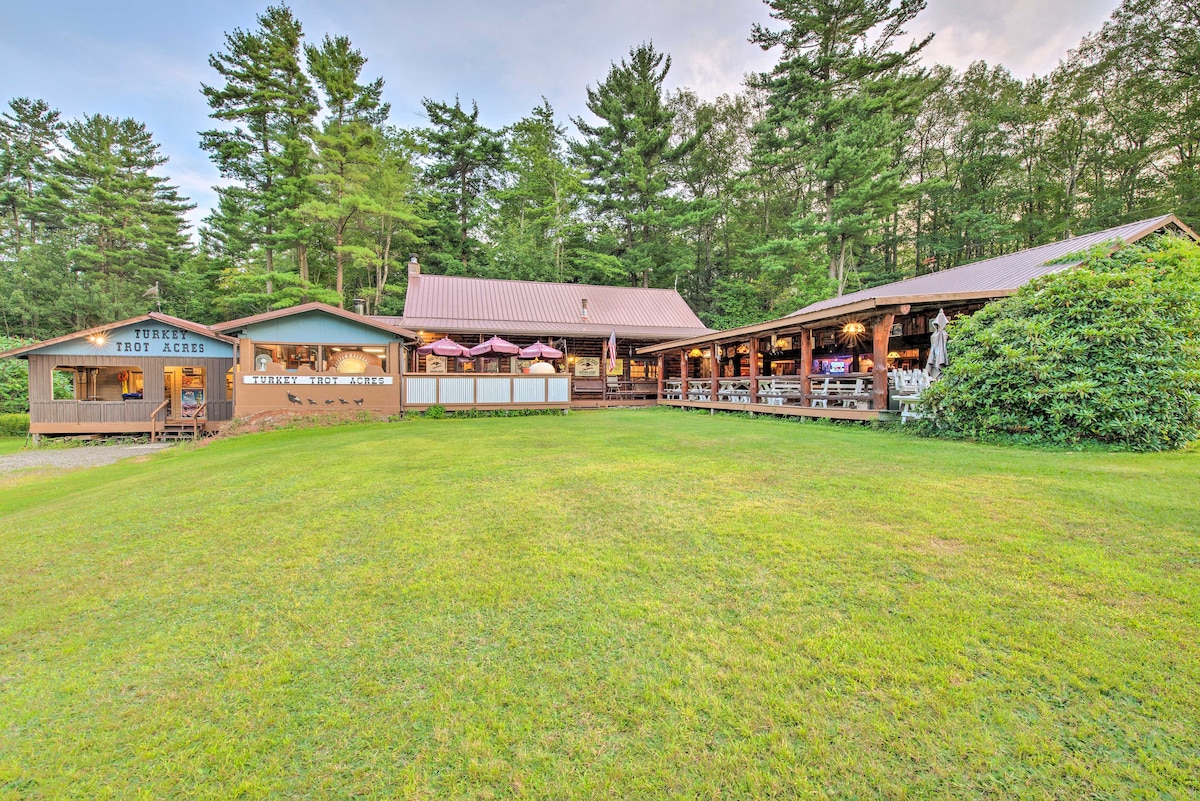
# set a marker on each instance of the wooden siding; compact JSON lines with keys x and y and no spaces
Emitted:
{"x":44,"y":409}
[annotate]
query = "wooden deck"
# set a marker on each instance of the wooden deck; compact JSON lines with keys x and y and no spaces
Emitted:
{"x":835,"y":413}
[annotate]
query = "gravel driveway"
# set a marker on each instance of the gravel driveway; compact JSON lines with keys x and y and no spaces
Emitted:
{"x":55,"y":459}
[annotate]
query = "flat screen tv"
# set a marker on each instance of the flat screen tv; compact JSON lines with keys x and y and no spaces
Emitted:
{"x":838,"y":364}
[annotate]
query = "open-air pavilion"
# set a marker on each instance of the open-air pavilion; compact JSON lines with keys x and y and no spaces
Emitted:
{"x":853,"y":357}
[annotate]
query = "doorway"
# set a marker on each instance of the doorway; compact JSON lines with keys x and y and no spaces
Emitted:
{"x":184,"y":391}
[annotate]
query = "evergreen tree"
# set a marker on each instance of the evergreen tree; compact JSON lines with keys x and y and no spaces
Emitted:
{"x":124,"y":220}
{"x":537,"y":220}
{"x":390,"y":225}
{"x":347,"y":147}
{"x":268,"y":101}
{"x":839,"y":100}
{"x":466,"y":159}
{"x":29,"y":133}
{"x":627,"y":157}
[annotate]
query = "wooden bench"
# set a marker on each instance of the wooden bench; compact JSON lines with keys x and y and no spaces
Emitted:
{"x":591,"y":387}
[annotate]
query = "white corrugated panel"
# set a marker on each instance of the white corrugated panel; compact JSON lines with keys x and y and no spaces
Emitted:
{"x":492,"y":390}
{"x":558,"y":389}
{"x":420,"y":390}
{"x":457,"y":390}
{"x":529,"y":390}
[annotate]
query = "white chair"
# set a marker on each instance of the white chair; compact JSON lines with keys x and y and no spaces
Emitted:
{"x":820,"y":386}
{"x":852,"y":389}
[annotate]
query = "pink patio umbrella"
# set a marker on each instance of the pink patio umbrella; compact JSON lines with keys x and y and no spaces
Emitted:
{"x":495,"y":345}
{"x":539,"y":351}
{"x":445,"y":347}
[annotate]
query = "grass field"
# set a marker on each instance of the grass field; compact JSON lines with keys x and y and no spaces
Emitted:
{"x":11,"y":444}
{"x":633,"y":604}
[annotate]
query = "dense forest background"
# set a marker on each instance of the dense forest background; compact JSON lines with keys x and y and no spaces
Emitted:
{"x":847,"y":165}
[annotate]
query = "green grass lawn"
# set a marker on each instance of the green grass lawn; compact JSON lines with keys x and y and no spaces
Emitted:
{"x":11,"y":444}
{"x":632,"y":604}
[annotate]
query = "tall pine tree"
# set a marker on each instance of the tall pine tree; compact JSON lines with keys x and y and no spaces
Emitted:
{"x":627,"y":157}
{"x":347,"y":146}
{"x":268,"y":104}
{"x":838,"y":101}
{"x":466,"y":160}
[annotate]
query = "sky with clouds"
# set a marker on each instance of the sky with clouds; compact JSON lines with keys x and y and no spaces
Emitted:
{"x":146,"y":59}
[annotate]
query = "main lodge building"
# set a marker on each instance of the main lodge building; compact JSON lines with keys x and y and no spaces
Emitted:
{"x":838,"y":358}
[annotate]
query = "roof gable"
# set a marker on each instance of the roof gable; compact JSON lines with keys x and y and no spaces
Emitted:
{"x":315,"y":322}
{"x":153,"y":334}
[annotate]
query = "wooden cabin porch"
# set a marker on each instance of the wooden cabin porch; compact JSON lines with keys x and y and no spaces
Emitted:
{"x":855,"y":366}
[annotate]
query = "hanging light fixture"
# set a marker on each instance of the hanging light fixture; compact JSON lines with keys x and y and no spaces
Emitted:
{"x":852,"y":332}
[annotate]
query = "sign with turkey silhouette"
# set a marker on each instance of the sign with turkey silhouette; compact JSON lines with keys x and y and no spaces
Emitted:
{"x":298,"y":401}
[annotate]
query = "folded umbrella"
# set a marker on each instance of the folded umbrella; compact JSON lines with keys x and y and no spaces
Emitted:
{"x":540,"y":351}
{"x":444,"y":347}
{"x":495,"y":345}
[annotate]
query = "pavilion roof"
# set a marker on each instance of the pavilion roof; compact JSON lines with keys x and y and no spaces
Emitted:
{"x":987,"y":279}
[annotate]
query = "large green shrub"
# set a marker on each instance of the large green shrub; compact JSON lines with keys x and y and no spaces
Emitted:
{"x":14,"y":425}
{"x":14,"y":379}
{"x":1107,"y":353}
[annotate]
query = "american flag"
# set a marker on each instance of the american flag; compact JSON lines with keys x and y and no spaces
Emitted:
{"x":610,"y":351}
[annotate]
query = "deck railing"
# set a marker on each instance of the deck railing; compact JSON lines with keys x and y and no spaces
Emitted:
{"x":845,"y":395}
{"x":487,"y":390}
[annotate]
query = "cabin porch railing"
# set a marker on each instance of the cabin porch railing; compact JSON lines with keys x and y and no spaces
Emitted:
{"x":829,"y":394}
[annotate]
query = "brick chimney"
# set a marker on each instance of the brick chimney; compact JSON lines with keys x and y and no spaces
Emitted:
{"x":414,"y":267}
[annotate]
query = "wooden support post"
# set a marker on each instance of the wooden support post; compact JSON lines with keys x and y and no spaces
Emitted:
{"x":662,"y":370}
{"x":683,"y":375}
{"x":879,"y":375}
{"x":714,"y":367}
{"x":754,"y":369}
{"x":806,"y":345}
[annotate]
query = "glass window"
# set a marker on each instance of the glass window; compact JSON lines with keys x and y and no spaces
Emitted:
{"x":643,"y":369}
{"x":346,"y":359}
{"x":97,"y":383}
{"x":353,"y":359}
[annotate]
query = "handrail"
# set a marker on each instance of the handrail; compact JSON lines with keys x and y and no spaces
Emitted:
{"x":196,"y":420}
{"x":154,"y":418}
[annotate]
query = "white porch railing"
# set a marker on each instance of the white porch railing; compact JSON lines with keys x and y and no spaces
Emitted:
{"x":487,"y":390}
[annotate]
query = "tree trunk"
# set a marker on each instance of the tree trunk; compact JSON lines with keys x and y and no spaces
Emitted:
{"x":462,"y":218}
{"x":381,"y":274}
{"x":339,"y":260}
{"x":841,"y":266}
{"x":834,"y":266}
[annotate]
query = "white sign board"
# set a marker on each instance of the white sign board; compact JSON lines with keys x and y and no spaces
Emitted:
{"x":320,"y":380}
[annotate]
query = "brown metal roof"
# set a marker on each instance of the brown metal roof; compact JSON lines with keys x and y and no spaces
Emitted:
{"x":445,"y":303}
{"x":178,"y":322}
{"x":373,"y":322}
{"x":1001,"y":275}
{"x":981,"y":280}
